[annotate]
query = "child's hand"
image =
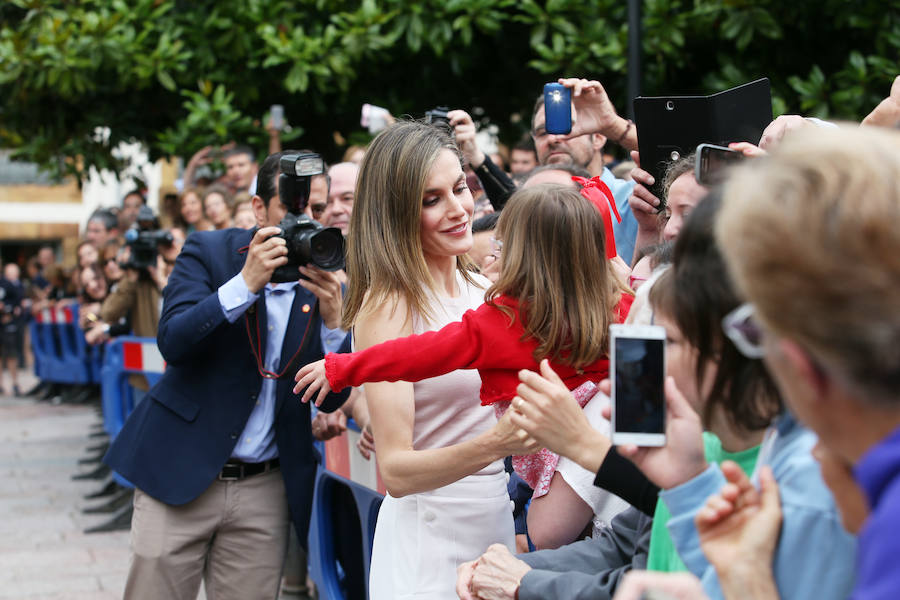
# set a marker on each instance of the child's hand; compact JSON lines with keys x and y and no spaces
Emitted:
{"x":312,"y":375}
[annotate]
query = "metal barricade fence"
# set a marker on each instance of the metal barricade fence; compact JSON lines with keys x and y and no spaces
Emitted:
{"x":61,"y":354}
{"x":343,"y":467}
{"x":124,"y":356}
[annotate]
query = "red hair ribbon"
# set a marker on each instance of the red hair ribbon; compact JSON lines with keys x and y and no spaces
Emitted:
{"x":601,"y":196}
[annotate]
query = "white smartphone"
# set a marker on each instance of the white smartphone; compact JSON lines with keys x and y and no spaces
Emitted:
{"x":276,"y":116}
{"x":638,"y":371}
{"x":375,"y":118}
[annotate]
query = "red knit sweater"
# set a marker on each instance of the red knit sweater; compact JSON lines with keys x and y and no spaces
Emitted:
{"x":484,"y":339}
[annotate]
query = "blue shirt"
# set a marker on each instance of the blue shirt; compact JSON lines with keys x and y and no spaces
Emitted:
{"x":878,"y":473}
{"x":257,"y":441}
{"x":815,"y":556}
{"x":626,"y":231}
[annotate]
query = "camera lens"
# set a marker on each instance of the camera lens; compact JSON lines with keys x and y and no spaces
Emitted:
{"x":675,"y":155}
{"x":327,"y":249}
{"x":670,"y":105}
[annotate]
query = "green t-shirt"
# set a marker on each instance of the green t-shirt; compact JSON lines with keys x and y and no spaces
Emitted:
{"x":662,"y":555}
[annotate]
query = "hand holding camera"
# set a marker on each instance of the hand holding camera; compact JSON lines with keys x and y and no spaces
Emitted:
{"x":464,"y":131}
{"x":594,"y":112}
{"x":326,"y":285}
{"x":144,"y":240}
{"x":267,"y":252}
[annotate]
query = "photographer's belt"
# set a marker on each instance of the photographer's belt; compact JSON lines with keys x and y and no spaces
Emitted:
{"x":235,"y":470}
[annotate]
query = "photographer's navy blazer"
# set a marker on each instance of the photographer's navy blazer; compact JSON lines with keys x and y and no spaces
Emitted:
{"x":176,"y":441}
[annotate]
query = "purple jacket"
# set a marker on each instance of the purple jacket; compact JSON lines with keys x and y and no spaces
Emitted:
{"x":878,"y":558}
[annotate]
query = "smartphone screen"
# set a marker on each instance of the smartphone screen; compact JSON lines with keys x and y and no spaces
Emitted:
{"x":638,"y":376}
{"x":713,"y":162}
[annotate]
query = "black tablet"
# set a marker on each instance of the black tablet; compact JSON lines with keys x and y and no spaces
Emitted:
{"x":669,"y":127}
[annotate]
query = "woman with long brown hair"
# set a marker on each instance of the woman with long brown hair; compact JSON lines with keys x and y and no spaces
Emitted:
{"x":439,"y":451}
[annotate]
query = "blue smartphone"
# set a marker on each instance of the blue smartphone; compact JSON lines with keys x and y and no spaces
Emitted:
{"x":557,"y":108}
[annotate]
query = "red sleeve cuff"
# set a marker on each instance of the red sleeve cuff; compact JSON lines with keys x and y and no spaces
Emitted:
{"x":333,"y":371}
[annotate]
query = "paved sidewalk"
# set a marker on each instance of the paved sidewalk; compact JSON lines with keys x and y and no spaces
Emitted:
{"x":43,"y":550}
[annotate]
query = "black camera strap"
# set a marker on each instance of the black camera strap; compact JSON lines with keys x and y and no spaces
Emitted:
{"x":251,"y":321}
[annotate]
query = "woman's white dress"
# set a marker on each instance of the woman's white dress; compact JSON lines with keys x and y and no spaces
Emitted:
{"x":420,"y":539}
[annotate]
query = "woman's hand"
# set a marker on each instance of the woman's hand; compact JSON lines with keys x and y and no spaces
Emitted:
{"x":682,"y":458}
{"x":620,"y":269}
{"x":312,"y":375}
{"x":644,"y":204}
{"x":491,"y":268}
{"x":510,"y":439}
{"x":747,"y":149}
{"x":887,"y":113}
{"x":546,"y":409}
{"x":781,"y":126}
{"x":366,"y":444}
{"x":97,"y":334}
{"x":739,"y":526}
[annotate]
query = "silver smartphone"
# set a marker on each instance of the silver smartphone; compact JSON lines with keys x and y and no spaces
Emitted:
{"x":712,"y":163}
{"x":638,"y":371}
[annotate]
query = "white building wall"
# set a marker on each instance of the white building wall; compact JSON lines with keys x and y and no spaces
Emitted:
{"x":101,"y":189}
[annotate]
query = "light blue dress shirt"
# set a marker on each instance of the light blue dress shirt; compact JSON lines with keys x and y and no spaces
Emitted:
{"x":257,"y":441}
{"x":626,"y":231}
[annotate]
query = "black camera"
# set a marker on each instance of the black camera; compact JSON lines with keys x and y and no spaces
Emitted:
{"x":438,"y":116}
{"x":308,"y":242}
{"x":144,"y":239}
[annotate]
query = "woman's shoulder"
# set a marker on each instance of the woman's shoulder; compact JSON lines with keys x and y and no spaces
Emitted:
{"x":380,"y":319}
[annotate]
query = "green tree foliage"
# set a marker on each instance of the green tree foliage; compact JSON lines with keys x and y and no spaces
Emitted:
{"x":77,"y":77}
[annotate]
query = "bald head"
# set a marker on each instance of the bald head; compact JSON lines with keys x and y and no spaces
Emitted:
{"x":340,"y":197}
{"x":559,"y":174}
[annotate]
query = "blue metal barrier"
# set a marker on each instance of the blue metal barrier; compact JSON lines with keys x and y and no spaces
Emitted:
{"x":124,"y":356}
{"x":61,"y":354}
{"x":343,"y":466}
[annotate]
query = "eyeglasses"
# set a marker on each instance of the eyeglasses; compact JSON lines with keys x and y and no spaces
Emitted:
{"x":497,"y":246}
{"x":742,"y":328}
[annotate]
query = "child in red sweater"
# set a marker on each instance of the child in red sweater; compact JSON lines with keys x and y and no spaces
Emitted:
{"x":555,"y":298}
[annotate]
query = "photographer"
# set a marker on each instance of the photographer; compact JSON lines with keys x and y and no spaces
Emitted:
{"x":12,"y":295}
{"x":221,"y":452}
{"x":134,"y":303}
{"x":136,"y":298}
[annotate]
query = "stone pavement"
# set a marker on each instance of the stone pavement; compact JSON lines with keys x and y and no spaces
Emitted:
{"x":44,"y":553}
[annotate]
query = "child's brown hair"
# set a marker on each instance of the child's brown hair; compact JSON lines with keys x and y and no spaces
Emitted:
{"x":554,"y":264}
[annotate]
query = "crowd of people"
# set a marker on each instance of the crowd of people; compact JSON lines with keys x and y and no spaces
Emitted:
{"x":468,"y":337}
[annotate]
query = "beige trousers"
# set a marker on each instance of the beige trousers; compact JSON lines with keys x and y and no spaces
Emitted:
{"x":233,"y":536}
